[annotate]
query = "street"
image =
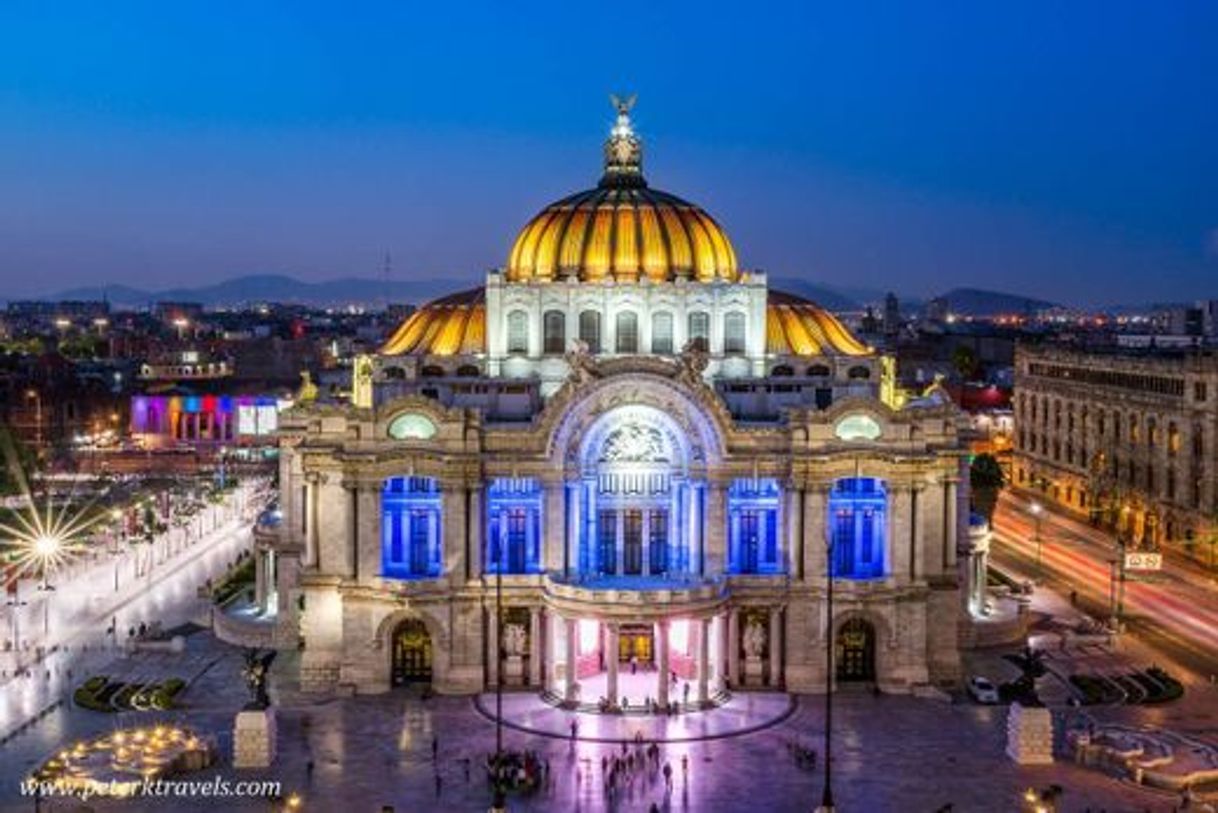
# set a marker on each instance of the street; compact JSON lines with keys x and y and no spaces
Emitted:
{"x":1172,"y":611}
{"x":78,"y":614}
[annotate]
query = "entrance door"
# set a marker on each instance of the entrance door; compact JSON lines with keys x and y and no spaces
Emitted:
{"x":411,"y":653}
{"x":632,"y":538}
{"x":856,"y":651}
{"x":636,"y":642}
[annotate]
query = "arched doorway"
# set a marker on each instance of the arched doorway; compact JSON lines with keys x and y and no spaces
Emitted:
{"x":411,"y":653}
{"x":856,"y":651}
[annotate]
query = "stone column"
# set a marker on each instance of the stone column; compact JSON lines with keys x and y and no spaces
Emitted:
{"x":612,"y":635}
{"x":473,"y":524}
{"x":569,"y":691}
{"x":816,"y":510}
{"x":260,"y":578}
{"x":553,"y":523}
{"x":776,"y":676}
{"x":311,"y":493}
{"x":535,"y":646}
{"x":949,"y":524}
{"x":733,"y":647}
{"x":619,"y":549}
{"x":715,"y":543}
{"x":574,"y":526}
{"x":368,"y":531}
{"x":662,"y":663}
{"x":896,"y":561}
{"x":492,"y":648}
{"x":703,"y":660}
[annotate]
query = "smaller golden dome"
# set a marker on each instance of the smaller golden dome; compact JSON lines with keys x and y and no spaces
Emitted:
{"x":799,"y":327}
{"x":454,"y":325}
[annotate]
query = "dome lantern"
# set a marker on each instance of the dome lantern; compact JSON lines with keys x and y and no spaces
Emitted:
{"x":622,"y":231}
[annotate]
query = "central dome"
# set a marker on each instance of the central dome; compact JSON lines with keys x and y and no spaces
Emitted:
{"x":622,"y":230}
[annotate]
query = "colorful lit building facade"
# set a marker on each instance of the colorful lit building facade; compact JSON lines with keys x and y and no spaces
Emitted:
{"x":623,"y":449}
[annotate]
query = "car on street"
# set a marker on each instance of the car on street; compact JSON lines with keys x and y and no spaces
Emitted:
{"x":982,"y":690}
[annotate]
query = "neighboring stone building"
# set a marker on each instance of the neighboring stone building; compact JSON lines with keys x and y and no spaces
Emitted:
{"x":547,"y":439}
{"x":1124,"y":437}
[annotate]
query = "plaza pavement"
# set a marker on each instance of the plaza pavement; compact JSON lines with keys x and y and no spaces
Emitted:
{"x":891,"y":754}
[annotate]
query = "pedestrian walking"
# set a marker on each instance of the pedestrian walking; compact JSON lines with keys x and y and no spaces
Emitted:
{"x":439,"y":784}
{"x":668,"y":777}
{"x":685,"y":766}
{"x":309,"y":772}
{"x":435,"y":748}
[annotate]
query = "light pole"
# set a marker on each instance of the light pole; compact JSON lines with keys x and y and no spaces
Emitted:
{"x":1036,"y":513}
{"x":47,"y":548}
{"x":826,"y":799}
{"x":16,"y":604}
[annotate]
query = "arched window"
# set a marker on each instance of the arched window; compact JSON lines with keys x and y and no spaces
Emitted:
{"x":396,"y":373}
{"x":590,"y":330}
{"x":468,"y":371}
{"x":733,"y":332}
{"x":432,"y":371}
{"x":518,"y":332}
{"x":857,"y":519}
{"x":819,"y":371}
{"x":783,"y":371}
{"x":661,"y":332}
{"x":859,"y":372}
{"x":554,"y":325}
{"x":699,"y":328}
{"x":410,"y":528}
{"x":627,"y":332}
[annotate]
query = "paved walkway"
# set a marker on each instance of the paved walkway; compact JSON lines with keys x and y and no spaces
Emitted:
{"x":743,"y":713}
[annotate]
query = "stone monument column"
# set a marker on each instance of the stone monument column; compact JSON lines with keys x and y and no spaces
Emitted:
{"x":662,"y":663}
{"x":776,"y":677}
{"x":703,"y":660}
{"x":816,"y":509}
{"x":612,"y":635}
{"x":572,"y":661}
{"x":535,"y":646}
{"x":733,"y":647}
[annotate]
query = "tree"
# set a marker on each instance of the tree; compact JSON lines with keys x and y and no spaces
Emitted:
{"x":986,"y":479}
{"x":17,"y":463}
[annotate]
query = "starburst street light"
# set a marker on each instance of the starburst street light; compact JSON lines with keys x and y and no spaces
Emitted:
{"x":45,"y":540}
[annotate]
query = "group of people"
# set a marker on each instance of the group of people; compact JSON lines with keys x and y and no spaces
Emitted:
{"x":517,"y":770}
{"x":643,"y":763}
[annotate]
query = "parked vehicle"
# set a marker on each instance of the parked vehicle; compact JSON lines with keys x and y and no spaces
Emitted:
{"x":981,"y":690}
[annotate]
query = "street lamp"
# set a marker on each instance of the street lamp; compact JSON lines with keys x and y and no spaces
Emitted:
{"x":1036,"y":513}
{"x":826,"y":799}
{"x":47,"y":548}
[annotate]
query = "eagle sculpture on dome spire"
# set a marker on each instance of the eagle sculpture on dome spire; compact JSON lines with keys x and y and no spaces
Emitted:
{"x":623,"y":148}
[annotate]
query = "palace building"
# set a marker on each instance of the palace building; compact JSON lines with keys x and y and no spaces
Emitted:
{"x":623,"y":455}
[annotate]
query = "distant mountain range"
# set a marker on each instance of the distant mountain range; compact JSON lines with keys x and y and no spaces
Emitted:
{"x":979,"y":302}
{"x":258,"y":288}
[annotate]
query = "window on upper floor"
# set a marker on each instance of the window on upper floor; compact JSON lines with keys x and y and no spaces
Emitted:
{"x":661,"y":333}
{"x":699,"y":328}
{"x":858,"y":508}
{"x":411,"y":541}
{"x":733,"y":332}
{"x":754,"y":542}
{"x":627,"y":329}
{"x":518,"y":332}
{"x":513,"y":525}
{"x":554,"y":330}
{"x":590,"y":330}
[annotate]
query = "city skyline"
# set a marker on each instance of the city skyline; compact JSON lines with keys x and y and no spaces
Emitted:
{"x":1056,"y":153}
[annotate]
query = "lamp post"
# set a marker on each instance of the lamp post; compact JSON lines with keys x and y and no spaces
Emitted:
{"x":1036,"y":510}
{"x":47,"y":548}
{"x":498,"y":648}
{"x":16,"y":604}
{"x":826,"y":799}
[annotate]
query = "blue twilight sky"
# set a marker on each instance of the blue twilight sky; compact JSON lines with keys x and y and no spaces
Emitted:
{"x":1068,"y":150}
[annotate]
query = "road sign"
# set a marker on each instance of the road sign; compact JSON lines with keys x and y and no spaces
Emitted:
{"x":1143,"y":560}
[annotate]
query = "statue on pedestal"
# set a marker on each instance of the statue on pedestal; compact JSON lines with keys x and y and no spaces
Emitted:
{"x":754,"y":640}
{"x":257,"y":668}
{"x":514,"y":639}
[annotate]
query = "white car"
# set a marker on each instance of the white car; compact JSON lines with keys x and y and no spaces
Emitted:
{"x":982,"y":690}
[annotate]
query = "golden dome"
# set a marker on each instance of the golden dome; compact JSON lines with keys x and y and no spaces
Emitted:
{"x":449,"y":326}
{"x":799,"y":327}
{"x":622,"y":230}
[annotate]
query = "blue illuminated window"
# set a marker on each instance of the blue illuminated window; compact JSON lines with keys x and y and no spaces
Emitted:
{"x":754,"y":546}
{"x":410,"y":528}
{"x":858,"y":509}
{"x":513,"y":525}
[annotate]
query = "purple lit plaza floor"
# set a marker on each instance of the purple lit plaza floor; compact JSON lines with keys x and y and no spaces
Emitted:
{"x":891,"y":754}
{"x":743,"y":712}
